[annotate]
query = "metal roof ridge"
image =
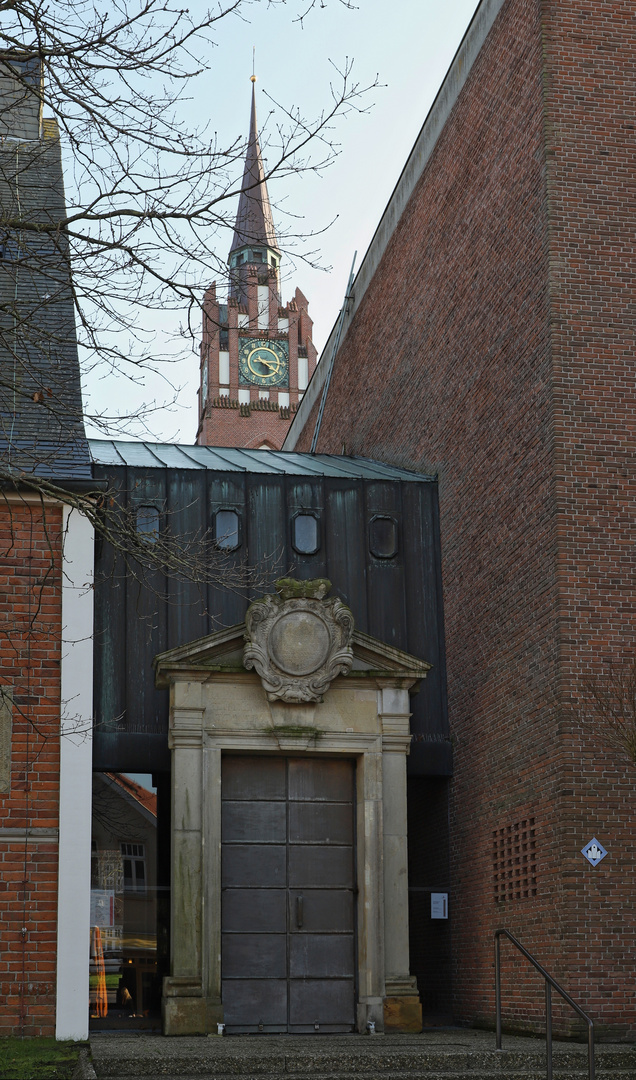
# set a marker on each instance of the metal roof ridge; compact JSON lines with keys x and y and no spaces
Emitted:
{"x":240,"y":458}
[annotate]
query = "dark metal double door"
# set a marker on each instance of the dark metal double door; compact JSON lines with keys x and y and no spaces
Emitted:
{"x":287,"y":918}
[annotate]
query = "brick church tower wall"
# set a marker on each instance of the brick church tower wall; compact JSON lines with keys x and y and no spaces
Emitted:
{"x":253,"y":348}
{"x":590,"y":62}
{"x":496,"y":337}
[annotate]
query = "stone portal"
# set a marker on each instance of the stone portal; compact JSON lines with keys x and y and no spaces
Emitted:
{"x":289,"y":835}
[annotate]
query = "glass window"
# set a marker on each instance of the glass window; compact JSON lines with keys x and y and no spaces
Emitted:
{"x":128,"y":906}
{"x":148,"y":523}
{"x":226,"y":529}
{"x":134,"y":861}
{"x":305,"y":534}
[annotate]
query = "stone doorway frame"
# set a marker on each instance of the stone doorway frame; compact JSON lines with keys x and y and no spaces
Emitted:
{"x":217,"y":706}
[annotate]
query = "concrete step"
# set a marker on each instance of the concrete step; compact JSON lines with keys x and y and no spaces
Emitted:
{"x":619,"y":1075}
{"x":444,"y":1056}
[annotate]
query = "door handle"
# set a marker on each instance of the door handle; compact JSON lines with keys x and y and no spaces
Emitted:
{"x":299,"y":912}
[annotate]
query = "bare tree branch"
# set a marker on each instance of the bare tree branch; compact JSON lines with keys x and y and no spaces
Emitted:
{"x":609,"y":705}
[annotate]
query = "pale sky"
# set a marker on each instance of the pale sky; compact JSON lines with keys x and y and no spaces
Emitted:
{"x":409,"y":45}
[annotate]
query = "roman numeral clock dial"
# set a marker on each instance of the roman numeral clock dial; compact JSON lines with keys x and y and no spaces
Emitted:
{"x":263,"y":363}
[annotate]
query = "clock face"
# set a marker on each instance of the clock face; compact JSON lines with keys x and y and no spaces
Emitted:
{"x":263,"y":363}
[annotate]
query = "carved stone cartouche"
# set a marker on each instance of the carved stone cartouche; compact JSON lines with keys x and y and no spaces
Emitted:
{"x":298,"y":641}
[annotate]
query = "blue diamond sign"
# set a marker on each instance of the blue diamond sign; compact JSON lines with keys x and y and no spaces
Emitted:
{"x":594,"y":852}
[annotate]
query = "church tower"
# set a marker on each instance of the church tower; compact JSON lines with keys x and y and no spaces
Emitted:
{"x":257,"y":356}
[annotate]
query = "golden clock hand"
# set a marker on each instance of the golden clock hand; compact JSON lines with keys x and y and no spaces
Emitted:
{"x":268,"y":363}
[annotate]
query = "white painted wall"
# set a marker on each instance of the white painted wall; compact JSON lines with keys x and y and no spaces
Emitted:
{"x":224,"y":368}
{"x":74,"y":875}
{"x":303,"y":372}
{"x":244,"y":397}
{"x":262,"y":302}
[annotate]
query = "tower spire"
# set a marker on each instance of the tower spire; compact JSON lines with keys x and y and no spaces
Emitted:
{"x":254,"y":233}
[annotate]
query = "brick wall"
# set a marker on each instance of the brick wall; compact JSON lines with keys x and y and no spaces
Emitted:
{"x":30,"y":621}
{"x":496,"y":337}
{"x":250,"y":428}
{"x":590,"y":60}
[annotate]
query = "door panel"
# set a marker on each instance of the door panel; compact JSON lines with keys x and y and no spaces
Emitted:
{"x":249,"y":1002}
{"x":245,"y":778}
{"x":256,"y":822}
{"x":310,"y":782}
{"x":323,"y":910}
{"x":328,"y":1002}
{"x":255,"y":865}
{"x":320,"y":955}
{"x":327,"y":823}
{"x":259,"y":909}
{"x":287,"y":907}
{"x":253,"y":956}
{"x":331,"y":867}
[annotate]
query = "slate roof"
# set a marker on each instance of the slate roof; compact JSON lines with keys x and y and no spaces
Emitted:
{"x":254,"y":221}
{"x":41,"y":425}
{"x":146,"y":455}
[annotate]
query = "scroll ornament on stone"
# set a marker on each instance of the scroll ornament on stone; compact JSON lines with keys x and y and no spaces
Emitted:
{"x":298,"y":641}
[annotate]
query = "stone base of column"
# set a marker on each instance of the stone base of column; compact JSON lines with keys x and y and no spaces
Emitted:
{"x":370,"y":1008}
{"x":402,"y":1007}
{"x":185,"y":1011}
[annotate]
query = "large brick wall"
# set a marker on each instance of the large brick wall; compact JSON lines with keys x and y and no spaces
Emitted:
{"x":30,"y":625}
{"x":590,"y":59}
{"x":496,"y":340}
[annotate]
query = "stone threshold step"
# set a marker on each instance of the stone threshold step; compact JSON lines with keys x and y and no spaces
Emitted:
{"x":363,"y":1066}
{"x":420,"y":1074}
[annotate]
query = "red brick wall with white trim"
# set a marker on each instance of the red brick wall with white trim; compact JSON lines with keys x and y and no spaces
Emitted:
{"x":30,"y":633}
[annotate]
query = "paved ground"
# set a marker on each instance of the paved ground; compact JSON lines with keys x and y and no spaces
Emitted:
{"x":147,"y":1055}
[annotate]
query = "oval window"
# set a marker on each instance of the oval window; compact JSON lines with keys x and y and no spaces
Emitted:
{"x":148,"y":523}
{"x":305,"y":534}
{"x":226,"y":530}
{"x":383,"y":537}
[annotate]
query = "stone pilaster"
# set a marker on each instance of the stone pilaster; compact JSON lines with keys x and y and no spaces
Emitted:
{"x":402,"y":1008}
{"x":183,"y":997}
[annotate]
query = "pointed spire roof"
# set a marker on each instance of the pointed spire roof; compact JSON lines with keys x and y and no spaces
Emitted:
{"x":254,"y":222}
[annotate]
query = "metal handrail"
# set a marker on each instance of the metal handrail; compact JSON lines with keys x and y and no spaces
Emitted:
{"x":550,"y":983}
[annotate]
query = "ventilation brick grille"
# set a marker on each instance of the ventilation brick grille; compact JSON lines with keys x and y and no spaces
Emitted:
{"x":514,"y":859}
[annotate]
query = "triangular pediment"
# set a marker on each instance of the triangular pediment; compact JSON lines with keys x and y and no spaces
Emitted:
{"x":223,"y":651}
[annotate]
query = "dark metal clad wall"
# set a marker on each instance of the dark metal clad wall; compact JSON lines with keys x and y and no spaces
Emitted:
{"x":397,"y":599}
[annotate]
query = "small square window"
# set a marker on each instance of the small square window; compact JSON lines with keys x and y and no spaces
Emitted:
{"x":227,"y":530}
{"x":306,"y":534}
{"x":148,"y":523}
{"x":383,"y":536}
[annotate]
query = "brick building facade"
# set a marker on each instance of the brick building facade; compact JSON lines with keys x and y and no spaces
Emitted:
{"x":257,"y":356}
{"x":46,"y":601}
{"x":30,"y":645}
{"x":502,"y":276}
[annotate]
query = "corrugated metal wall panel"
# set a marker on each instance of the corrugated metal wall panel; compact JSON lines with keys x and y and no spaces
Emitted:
{"x":397,"y":599}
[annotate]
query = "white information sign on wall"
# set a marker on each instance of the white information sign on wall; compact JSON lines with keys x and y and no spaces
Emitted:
{"x":102,"y":907}
{"x":439,"y":905}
